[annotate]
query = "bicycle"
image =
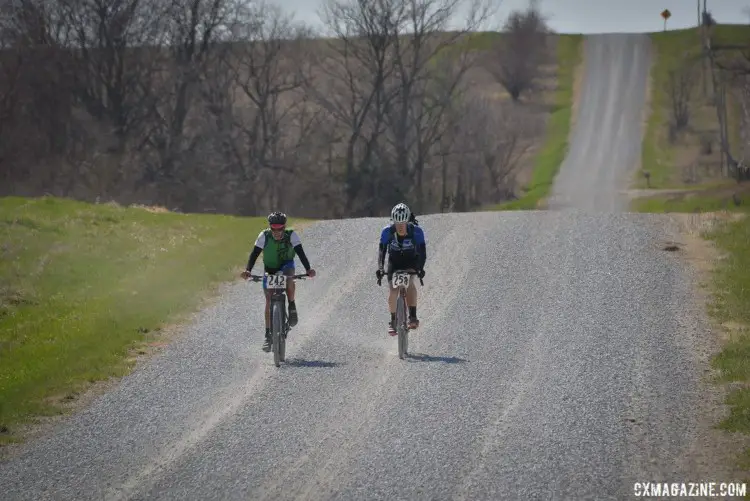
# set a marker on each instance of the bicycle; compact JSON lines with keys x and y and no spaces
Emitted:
{"x":401,"y":279}
{"x":279,"y":321}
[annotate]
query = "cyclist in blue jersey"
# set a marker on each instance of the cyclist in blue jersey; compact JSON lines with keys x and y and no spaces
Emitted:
{"x":406,"y":246}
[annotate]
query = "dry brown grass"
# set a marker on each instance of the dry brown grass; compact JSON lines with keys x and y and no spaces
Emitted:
{"x":151,"y":208}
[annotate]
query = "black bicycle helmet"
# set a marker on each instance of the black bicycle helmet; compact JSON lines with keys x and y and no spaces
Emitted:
{"x":275,"y":218}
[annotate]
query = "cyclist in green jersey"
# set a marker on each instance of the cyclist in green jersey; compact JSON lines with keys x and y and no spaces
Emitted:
{"x":279,"y":246}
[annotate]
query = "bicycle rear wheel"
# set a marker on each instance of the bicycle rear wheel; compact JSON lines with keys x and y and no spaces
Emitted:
{"x":401,"y":327}
{"x":276,"y":332}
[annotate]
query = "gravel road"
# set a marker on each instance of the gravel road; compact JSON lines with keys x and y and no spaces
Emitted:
{"x":555,"y":360}
{"x":605,"y":146}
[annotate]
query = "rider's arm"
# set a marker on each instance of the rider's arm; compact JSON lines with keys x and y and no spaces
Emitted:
{"x":260,"y":243}
{"x":422,"y":259}
{"x":297,"y":244}
{"x":303,"y":259}
{"x":253,"y":257}
{"x":383,"y":247}
{"x":421,"y":242}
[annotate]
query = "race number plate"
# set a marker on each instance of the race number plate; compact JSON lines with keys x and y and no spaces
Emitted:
{"x":276,"y":282}
{"x":400,"y":280}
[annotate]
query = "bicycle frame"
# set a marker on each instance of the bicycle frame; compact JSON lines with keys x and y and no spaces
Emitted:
{"x":401,"y":280}
{"x":277,"y":284}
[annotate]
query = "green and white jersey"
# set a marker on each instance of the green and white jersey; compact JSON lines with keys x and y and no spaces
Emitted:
{"x":277,"y":252}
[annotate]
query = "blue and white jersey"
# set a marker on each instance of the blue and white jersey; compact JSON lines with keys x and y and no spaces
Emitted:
{"x":405,"y":246}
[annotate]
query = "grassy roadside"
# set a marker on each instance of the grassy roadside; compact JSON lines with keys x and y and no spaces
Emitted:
{"x":730,"y":307}
{"x":730,"y":296}
{"x":555,"y":146}
{"x":665,"y":161}
{"x":681,"y":163}
{"x":82,"y":285}
{"x":657,"y":156}
{"x":710,"y":197}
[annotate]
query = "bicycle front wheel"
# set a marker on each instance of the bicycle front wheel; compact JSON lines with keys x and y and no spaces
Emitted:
{"x":282,"y":337}
{"x":401,"y":327}
{"x":276,"y":332}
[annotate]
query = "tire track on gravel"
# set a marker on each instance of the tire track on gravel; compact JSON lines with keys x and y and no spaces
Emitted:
{"x":334,"y":452}
{"x":529,"y":367}
{"x":233,"y":398}
{"x":311,"y":345}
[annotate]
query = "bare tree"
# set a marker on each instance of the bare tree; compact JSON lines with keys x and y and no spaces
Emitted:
{"x":743,"y":94}
{"x":268,"y":69}
{"x":680,"y":86}
{"x":430,"y":65}
{"x":494,"y":136}
{"x":229,"y":105}
{"x":192,"y":28}
{"x":37,"y":94}
{"x":722,"y":72}
{"x":388,"y":72}
{"x":115,"y":70}
{"x":351,"y":87}
{"x":519,"y":52}
{"x":11,"y":66}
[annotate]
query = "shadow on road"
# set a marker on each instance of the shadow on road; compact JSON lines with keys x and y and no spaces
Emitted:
{"x":301,"y":362}
{"x":421,"y":357}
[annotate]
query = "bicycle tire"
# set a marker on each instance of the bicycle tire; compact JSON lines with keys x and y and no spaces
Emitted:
{"x":406,"y":328}
{"x":401,"y":326}
{"x":276,"y":332}
{"x":282,"y":338}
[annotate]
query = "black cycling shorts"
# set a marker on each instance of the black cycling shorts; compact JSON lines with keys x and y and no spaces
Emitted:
{"x":410,"y":264}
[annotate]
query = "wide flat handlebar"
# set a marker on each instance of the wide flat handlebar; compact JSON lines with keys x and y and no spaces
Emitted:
{"x":259,"y":278}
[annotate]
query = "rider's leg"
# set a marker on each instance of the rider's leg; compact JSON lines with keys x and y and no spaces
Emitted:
{"x":411,"y":293}
{"x":392,"y":297}
{"x":288,"y":268}
{"x":411,"y":300}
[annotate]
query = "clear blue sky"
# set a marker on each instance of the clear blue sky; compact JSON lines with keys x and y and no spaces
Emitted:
{"x":593,"y":16}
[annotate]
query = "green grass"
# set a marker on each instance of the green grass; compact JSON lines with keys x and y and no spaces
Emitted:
{"x":555,"y":146}
{"x":82,"y":285}
{"x":658,"y":155}
{"x":730,"y":288}
{"x":731,"y":300}
{"x":483,"y":40}
{"x":663,"y":204}
{"x":699,"y":202}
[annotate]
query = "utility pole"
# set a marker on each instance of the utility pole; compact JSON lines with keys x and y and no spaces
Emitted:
{"x":704,"y":35}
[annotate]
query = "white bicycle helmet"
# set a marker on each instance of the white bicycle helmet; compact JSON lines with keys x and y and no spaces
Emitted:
{"x":400,"y":213}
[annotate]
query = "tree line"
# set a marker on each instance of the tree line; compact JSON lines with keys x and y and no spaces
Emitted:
{"x":233,"y":106}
